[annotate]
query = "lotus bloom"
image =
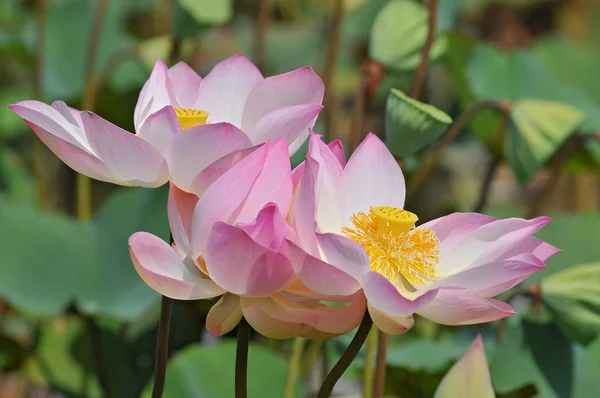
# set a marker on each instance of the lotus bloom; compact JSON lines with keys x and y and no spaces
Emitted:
{"x":445,"y":270}
{"x":231,"y":239}
{"x":234,"y":92}
{"x":469,"y":377}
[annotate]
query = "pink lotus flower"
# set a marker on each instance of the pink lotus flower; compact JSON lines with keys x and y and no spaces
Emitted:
{"x":469,"y":377}
{"x":232,"y":239}
{"x":446,"y":270}
{"x":234,"y":97}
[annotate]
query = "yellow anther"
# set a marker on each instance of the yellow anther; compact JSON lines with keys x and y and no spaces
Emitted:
{"x":405,"y":255}
{"x":190,"y":117}
{"x":394,"y":220}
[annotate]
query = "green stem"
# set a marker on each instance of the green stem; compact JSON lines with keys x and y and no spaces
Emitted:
{"x":419,"y":78}
{"x":369,"y":370}
{"x":162,"y":347}
{"x":347,"y":357}
{"x":241,"y":360}
{"x":450,"y":135}
{"x":294,"y":369}
{"x":39,"y":150}
{"x":381,"y":367}
{"x":95,"y":336}
{"x":84,"y":198}
{"x":260,"y":36}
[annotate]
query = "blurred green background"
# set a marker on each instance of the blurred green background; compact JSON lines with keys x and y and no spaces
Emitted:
{"x":77,"y":321}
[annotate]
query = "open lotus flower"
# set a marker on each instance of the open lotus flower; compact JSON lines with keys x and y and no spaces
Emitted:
{"x":446,"y":270}
{"x":254,"y":109}
{"x":469,"y":377}
{"x":232,"y":240}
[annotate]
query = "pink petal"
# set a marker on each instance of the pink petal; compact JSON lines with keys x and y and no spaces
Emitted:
{"x":162,"y":269}
{"x":487,"y":276}
{"x":242,"y":266}
{"x":303,"y":208}
{"x":527,"y":245}
{"x":53,"y":120}
{"x":224,"y":315}
{"x":297,"y":176}
{"x":469,"y":377}
{"x":529,"y":264}
{"x":300,"y":290}
{"x":155,"y":95}
{"x":345,"y":254}
{"x":274,"y":184}
{"x":462,"y":307}
{"x":297,"y":143}
{"x":70,"y":151}
{"x":180,"y":210}
{"x":217,"y":169}
{"x":72,"y":115}
{"x":186,"y":84}
{"x":326,"y":179}
{"x":160,"y":128}
{"x":198,"y":147}
{"x":282,"y":319}
{"x":299,"y":87}
{"x":488,"y":243}
{"x":290,"y":122}
{"x":336,"y":320}
{"x":224,"y":91}
{"x":337,"y":148}
{"x":268,"y":229}
{"x":390,"y":324}
{"x":223,"y":199}
{"x":320,"y":276}
{"x":372,"y":177}
{"x":454,"y":228}
{"x":128,"y":156}
{"x":383,"y":295}
{"x":544,"y":251}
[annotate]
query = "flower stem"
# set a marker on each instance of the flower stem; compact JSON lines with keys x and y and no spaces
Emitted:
{"x":330,"y":60}
{"x":260,"y":35}
{"x":39,"y":150}
{"x":347,"y":357}
{"x":241,"y":360}
{"x":84,"y":198}
{"x":162,"y":347}
{"x":562,"y":155}
{"x":95,"y":336}
{"x":417,"y":84}
{"x":382,"y":343}
{"x":369,"y":371}
{"x":294,"y":369}
{"x":362,"y":91}
{"x":484,"y":192}
{"x":450,"y":135}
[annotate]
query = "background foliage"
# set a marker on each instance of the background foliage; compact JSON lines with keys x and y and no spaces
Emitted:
{"x":519,"y":77}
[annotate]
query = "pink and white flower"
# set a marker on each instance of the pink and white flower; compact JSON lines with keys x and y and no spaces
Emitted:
{"x":234,"y":97}
{"x":469,"y":377}
{"x":446,"y":270}
{"x":232,"y":239}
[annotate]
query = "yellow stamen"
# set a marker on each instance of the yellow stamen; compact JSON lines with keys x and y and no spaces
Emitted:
{"x":406,"y":256}
{"x":390,"y":219}
{"x":190,"y":117}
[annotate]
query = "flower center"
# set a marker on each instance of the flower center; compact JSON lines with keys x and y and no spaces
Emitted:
{"x":190,"y":117}
{"x":405,"y":255}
